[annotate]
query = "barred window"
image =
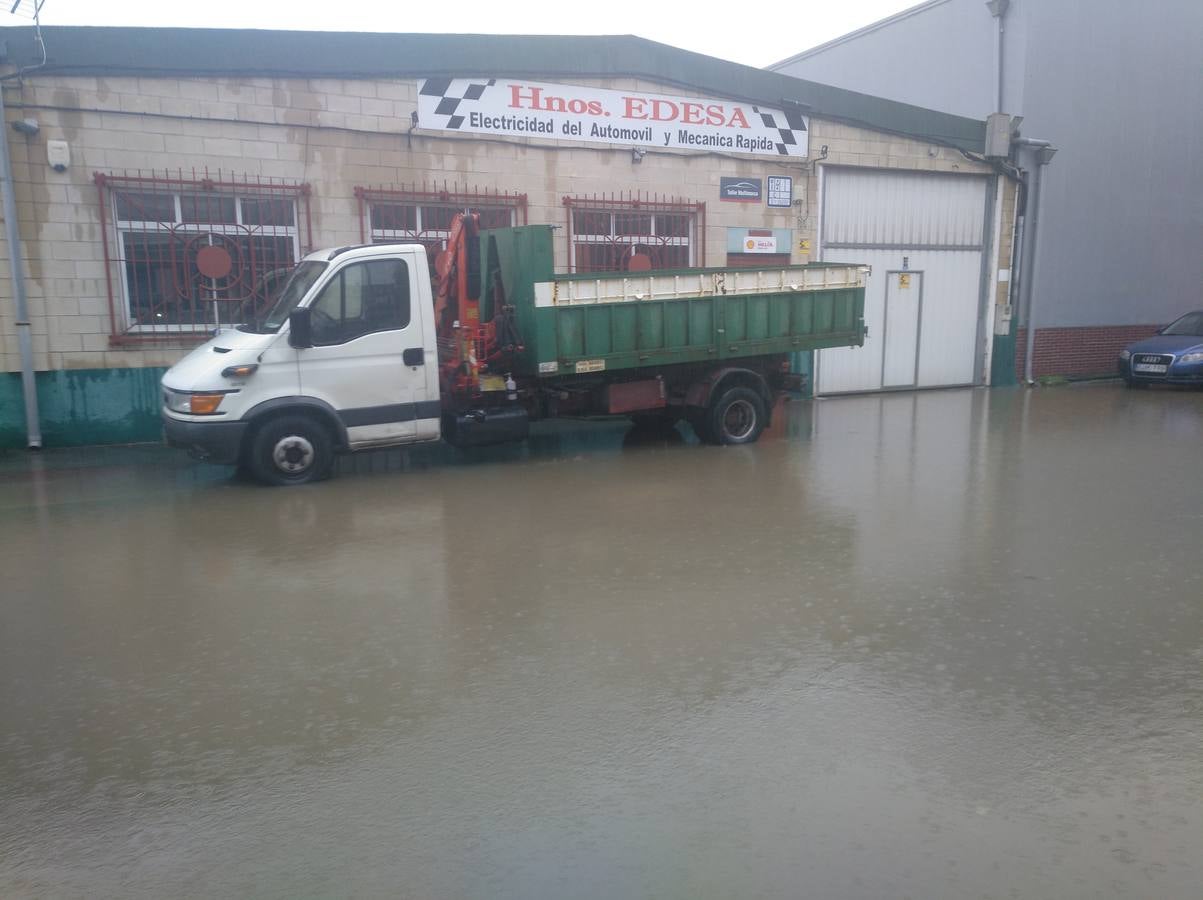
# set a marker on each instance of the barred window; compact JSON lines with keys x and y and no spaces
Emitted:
{"x":194,"y":253}
{"x":425,"y":217}
{"x":618,"y":235}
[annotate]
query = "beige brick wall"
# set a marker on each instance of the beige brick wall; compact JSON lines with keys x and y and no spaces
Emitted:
{"x":1006,"y":238}
{"x":335,"y":135}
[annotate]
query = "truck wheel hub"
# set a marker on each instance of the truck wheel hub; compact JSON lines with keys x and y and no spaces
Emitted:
{"x":739,"y":419}
{"x":292,"y":454}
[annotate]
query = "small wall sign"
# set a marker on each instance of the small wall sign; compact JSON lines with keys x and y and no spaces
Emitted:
{"x":740,"y":190}
{"x":781,"y":191}
{"x":760,"y":240}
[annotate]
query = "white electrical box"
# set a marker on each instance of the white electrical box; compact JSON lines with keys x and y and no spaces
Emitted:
{"x":998,"y":135}
{"x":58,"y":154}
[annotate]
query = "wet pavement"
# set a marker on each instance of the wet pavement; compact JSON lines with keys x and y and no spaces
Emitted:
{"x":946,"y":644}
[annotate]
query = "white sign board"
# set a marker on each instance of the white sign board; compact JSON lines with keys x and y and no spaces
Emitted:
{"x":760,"y":244}
{"x":568,"y":112}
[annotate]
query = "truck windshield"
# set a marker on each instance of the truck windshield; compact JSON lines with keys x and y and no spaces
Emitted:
{"x":1190,"y":324}
{"x":302,"y":279}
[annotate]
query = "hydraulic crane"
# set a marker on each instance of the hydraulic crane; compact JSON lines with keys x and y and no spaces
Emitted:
{"x":469,"y":348}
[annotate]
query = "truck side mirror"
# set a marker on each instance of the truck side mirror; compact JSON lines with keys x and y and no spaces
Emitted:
{"x":300,"y":335}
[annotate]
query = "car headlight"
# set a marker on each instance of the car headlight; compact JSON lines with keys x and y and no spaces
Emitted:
{"x":1125,"y":354}
{"x":192,"y":404}
{"x":1193,"y":357}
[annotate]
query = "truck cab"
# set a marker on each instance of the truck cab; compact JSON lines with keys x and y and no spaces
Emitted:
{"x":345,"y":360}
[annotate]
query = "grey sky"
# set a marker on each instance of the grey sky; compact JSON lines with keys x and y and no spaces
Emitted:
{"x":756,"y":33}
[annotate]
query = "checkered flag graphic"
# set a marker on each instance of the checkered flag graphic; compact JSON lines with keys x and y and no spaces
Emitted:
{"x":790,"y":130}
{"x":450,"y":93}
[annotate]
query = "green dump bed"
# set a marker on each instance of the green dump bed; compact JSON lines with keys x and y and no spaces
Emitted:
{"x":576,"y":324}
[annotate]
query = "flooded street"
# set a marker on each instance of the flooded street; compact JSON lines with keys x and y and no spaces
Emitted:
{"x":934,"y":645}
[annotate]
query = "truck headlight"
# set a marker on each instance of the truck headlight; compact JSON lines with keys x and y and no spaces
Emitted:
{"x":192,"y":404}
{"x":177,"y":402}
{"x":1125,"y":354}
{"x":1193,"y":357}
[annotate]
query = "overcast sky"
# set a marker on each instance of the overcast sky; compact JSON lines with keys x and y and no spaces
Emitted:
{"x":756,"y":33}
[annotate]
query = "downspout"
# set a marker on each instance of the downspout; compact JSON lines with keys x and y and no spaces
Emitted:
{"x":1015,"y":294}
{"x":1044,"y":152}
{"x":33,"y":428}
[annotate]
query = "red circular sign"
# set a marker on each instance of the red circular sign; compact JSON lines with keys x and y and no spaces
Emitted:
{"x":214,"y":262}
{"x":639,"y":262}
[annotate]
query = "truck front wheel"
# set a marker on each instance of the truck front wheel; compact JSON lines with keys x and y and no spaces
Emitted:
{"x":736,"y":416}
{"x":291,"y":449}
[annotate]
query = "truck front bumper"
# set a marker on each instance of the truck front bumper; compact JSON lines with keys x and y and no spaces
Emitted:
{"x":215,"y":442}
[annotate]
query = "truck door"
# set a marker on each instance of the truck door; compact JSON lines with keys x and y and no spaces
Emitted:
{"x":368,"y":358}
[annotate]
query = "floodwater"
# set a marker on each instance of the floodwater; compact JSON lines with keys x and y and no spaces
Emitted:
{"x":935,"y":645}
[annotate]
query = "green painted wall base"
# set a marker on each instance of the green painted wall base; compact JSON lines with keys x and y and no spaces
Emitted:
{"x":1002,"y":363}
{"x":85,"y":406}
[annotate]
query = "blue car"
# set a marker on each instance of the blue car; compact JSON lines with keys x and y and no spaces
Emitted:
{"x":1174,"y":355}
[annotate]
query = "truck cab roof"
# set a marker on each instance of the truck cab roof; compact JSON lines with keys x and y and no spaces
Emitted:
{"x":358,"y":250}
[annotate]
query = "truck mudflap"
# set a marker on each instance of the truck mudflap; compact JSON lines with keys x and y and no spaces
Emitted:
{"x":480,"y":427}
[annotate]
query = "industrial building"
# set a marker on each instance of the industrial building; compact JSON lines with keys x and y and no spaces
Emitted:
{"x":1117,"y":88}
{"x":166,"y":179}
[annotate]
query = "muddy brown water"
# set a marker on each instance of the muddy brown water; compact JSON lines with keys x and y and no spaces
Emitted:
{"x":946,"y":644}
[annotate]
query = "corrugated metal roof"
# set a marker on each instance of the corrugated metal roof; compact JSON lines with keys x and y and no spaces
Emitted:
{"x":213,"y":52}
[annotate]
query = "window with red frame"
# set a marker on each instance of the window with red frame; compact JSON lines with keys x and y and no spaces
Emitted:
{"x":190,"y":253}
{"x":425,"y":217}
{"x":615,"y":235}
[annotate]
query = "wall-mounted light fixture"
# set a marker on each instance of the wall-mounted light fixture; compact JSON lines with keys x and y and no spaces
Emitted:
{"x":637,"y":154}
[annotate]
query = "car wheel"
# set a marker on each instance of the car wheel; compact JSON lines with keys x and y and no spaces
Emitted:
{"x":291,"y":450}
{"x":737,"y":416}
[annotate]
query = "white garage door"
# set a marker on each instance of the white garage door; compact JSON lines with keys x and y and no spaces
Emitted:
{"x":924,"y":234}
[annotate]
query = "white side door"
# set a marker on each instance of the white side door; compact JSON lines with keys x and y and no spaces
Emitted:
{"x":900,"y":331}
{"x":369,"y":358}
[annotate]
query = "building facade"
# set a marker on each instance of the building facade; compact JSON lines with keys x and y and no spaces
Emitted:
{"x":174,"y":176}
{"x":1118,"y":89}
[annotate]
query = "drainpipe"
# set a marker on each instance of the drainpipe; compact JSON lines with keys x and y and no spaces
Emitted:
{"x":1044,"y":152}
{"x":998,"y":9}
{"x":1014,"y":292}
{"x":33,"y":428}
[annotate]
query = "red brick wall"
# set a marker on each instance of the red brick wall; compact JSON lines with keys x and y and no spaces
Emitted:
{"x":1078,"y":351}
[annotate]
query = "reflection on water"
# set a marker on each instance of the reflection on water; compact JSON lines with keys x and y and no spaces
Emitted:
{"x":937,"y":644}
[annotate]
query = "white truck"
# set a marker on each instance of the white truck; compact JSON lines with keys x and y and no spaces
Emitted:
{"x":362,"y":350}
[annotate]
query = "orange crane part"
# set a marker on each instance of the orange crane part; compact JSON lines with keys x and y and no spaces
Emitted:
{"x":464,"y":343}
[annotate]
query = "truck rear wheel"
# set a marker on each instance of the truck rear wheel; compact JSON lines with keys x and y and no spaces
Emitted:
{"x":736,"y":416}
{"x":291,"y":449}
